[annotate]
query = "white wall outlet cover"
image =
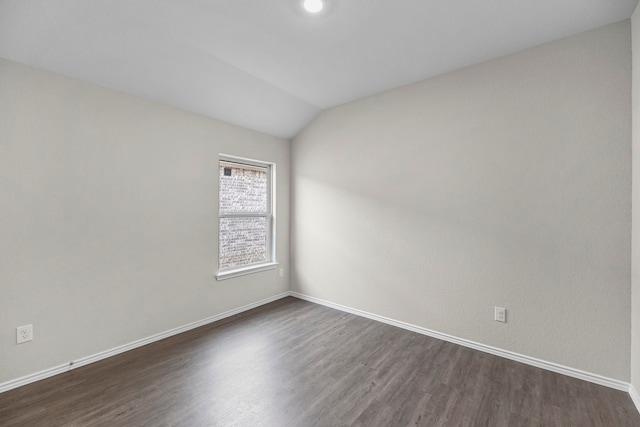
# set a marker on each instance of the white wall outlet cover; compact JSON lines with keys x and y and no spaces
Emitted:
{"x":500,"y":314}
{"x":24,"y":334}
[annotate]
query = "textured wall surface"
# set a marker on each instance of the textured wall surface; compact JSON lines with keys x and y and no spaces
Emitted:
{"x":109,"y":216}
{"x":503,"y":184}
{"x":635,"y":260}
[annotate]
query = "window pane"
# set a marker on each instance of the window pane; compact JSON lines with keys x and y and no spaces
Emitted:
{"x":243,"y":241}
{"x":243,"y":189}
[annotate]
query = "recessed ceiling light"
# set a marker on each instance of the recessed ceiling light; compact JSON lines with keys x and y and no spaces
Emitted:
{"x":313,"y":6}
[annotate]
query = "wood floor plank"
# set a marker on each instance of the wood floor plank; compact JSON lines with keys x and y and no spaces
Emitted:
{"x":294,"y":363}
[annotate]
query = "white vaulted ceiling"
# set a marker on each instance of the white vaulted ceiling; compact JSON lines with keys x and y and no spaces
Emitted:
{"x":268,"y":65}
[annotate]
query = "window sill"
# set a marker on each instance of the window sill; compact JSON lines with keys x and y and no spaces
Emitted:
{"x":228,"y":274}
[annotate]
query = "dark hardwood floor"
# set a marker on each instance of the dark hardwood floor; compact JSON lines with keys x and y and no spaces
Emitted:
{"x":294,"y":363}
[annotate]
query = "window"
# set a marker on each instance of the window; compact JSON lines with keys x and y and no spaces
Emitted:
{"x":245,"y":230}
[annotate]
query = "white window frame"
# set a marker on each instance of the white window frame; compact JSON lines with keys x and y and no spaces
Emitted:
{"x":235,"y":271}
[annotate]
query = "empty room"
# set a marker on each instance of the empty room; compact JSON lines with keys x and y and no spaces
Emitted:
{"x":319,"y":213}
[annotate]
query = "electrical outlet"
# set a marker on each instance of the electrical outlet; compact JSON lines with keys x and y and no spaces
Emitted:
{"x":281,"y":272}
{"x":500,"y":314}
{"x":24,"y":333}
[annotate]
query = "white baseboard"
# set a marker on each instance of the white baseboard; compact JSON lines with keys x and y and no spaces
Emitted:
{"x":554,"y":367}
{"x":634,"y":396}
{"x":126,"y":347}
{"x":575,"y":373}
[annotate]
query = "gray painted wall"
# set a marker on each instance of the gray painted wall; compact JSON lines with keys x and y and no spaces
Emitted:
{"x":109,"y":214}
{"x":503,"y":184}
{"x":635,"y":259}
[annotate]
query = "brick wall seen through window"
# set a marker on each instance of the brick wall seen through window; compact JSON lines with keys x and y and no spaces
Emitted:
{"x":244,"y":215}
